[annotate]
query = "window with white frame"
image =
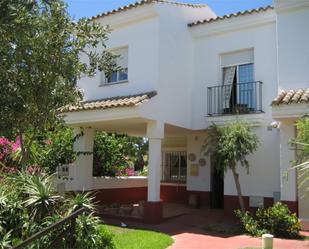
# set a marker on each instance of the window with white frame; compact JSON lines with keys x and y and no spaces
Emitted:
{"x":239,"y":88}
{"x":120,"y":75}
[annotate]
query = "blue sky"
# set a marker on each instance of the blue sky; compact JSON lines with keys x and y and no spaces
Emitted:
{"x":87,"y":8}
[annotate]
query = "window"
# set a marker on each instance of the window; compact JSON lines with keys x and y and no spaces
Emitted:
{"x":120,"y":75}
{"x":174,"y":166}
{"x":239,"y":88}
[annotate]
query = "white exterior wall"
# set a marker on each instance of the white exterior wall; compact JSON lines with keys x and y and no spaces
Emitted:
{"x":288,"y":177}
{"x":109,"y":182}
{"x":176,"y":61}
{"x":210,"y":44}
{"x":159,"y":58}
{"x":264,"y":173}
{"x":248,"y":32}
{"x":202,"y":181}
{"x":141,"y":38}
{"x":293,"y":49}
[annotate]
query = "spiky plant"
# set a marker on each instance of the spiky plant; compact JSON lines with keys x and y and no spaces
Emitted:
{"x":79,"y":200}
{"x":5,"y":241}
{"x":41,"y":196}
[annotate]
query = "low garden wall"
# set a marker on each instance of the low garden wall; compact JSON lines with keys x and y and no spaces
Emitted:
{"x":119,"y":182}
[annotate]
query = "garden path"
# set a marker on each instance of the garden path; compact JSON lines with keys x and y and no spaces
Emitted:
{"x":188,"y":231}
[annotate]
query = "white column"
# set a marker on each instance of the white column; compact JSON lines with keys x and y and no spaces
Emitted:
{"x":83,"y":166}
{"x":155,"y":133}
{"x":288,"y":177}
{"x":154,"y":169}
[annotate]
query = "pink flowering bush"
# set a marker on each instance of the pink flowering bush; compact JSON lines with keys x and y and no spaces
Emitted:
{"x":9,"y":151}
{"x":125,"y":172}
{"x":130,"y":172}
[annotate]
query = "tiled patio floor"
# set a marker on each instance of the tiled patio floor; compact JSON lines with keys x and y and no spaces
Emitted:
{"x":188,"y":230}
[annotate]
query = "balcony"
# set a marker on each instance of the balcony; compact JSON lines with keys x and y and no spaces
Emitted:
{"x":236,"y":98}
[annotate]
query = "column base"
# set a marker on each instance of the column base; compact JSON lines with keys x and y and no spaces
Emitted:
{"x":153,"y":212}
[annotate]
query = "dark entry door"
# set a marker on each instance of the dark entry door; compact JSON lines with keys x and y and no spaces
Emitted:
{"x":217,"y":187}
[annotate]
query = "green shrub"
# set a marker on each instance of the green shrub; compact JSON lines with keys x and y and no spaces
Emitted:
{"x":5,"y":241}
{"x":249,"y":224}
{"x":90,"y":236}
{"x":276,"y":220}
{"x":29,"y":203}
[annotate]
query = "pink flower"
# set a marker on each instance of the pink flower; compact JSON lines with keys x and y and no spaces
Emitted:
{"x":48,"y":142}
{"x":4,"y":141}
{"x":10,"y":170}
{"x":34,"y":170}
{"x":16,"y":145}
{"x":129,"y":172}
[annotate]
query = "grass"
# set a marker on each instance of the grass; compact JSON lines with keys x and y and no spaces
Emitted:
{"x":127,"y":238}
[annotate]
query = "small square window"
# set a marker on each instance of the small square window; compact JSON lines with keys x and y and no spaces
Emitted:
{"x":112,"y":78}
{"x":120,"y":75}
{"x":123,"y":74}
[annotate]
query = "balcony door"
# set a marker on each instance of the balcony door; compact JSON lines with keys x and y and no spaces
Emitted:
{"x":238,"y":88}
{"x":246,"y":87}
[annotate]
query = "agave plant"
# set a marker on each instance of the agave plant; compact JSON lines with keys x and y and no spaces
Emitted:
{"x":5,"y":241}
{"x":41,"y":196}
{"x":80,"y":200}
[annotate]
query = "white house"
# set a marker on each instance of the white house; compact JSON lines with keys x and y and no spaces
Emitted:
{"x":184,"y":68}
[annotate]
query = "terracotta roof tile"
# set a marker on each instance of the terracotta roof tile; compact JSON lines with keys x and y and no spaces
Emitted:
{"x":115,"y":102}
{"x":143,"y":2}
{"x":292,"y":97}
{"x":240,"y":13}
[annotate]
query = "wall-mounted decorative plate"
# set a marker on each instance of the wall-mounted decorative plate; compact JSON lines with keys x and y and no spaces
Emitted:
{"x":202,"y":162}
{"x":192,"y":157}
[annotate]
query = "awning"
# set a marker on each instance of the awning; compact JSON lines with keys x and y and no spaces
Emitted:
{"x":300,"y":96}
{"x":107,"y":103}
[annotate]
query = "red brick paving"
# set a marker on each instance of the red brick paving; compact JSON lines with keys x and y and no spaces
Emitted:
{"x":201,"y":241}
{"x":188,"y":233}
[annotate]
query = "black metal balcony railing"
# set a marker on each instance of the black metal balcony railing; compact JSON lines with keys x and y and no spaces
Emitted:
{"x":240,"y":98}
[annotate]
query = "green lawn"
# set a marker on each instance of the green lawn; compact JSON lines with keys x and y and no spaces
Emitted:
{"x":127,"y":238}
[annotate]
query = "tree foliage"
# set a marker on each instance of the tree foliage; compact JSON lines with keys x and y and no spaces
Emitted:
{"x":53,"y":148}
{"x":302,"y":139}
{"x":301,"y":143}
{"x":114,"y":152}
{"x":229,"y":146}
{"x":40,"y":63}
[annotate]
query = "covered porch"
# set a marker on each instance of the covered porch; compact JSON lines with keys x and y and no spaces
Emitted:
{"x":167,"y":159}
